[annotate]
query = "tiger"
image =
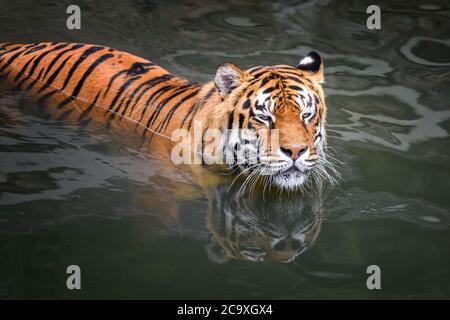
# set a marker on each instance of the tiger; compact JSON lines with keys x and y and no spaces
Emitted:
{"x":84,"y":82}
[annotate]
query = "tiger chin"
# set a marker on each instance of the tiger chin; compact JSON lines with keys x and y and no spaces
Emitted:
{"x":277,"y":114}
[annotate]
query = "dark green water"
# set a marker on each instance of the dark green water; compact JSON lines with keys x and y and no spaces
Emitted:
{"x":68,"y":197}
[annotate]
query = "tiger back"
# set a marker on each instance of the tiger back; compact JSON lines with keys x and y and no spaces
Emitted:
{"x":81,"y":82}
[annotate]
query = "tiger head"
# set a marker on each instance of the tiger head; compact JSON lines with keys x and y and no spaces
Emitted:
{"x":284,"y":108}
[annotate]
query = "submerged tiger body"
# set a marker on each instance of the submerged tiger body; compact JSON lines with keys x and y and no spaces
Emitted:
{"x":81,"y":82}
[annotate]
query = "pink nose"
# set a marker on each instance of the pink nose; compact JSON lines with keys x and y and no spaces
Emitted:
{"x":294,"y":151}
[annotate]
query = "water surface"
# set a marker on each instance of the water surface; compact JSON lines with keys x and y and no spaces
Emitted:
{"x":71,"y":197}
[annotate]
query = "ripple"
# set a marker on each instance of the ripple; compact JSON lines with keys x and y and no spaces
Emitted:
{"x":430,"y":219}
{"x":411,"y":44}
{"x":241,"y":22}
{"x":382,"y":205}
{"x":430,"y":7}
{"x":355,"y":65}
{"x":64,"y":161}
{"x":424,"y":128}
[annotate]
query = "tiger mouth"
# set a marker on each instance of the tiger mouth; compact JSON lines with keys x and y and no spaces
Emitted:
{"x":293,"y":172}
{"x":290,"y":172}
{"x":291,"y":179}
{"x":294,"y":169}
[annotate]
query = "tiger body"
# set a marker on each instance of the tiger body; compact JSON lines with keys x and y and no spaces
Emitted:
{"x":121,"y":85}
{"x":81,"y":82}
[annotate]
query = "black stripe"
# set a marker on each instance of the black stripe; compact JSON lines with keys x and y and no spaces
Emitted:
{"x":79,"y":86}
{"x":12,"y":58}
{"x":32,"y":84}
{"x":268,"y":90}
{"x":265,"y":80}
{"x":260,"y":121}
{"x":41,"y":101}
{"x":230,"y":119}
{"x":38,"y":59}
{"x":86,"y":112}
{"x":139,"y":68}
{"x":22,"y":71}
{"x":112,"y":80}
{"x":290,"y":73}
{"x":192,"y":111}
{"x":52,"y":63}
{"x":163,"y":103}
{"x":4,"y":76}
{"x":4,"y":45}
{"x":319,"y":135}
{"x":115,"y":111}
{"x":316,"y":99}
{"x":295,"y":78}
{"x":86,"y":74}
{"x":197,"y":105}
{"x":260,"y":74}
{"x":33,"y":68}
{"x":171,"y":112}
{"x":260,"y":107}
{"x":152,"y":82}
{"x":270,"y":76}
{"x":241,"y":120}
{"x":255,"y":69}
{"x":63,"y":116}
{"x":42,"y":46}
{"x":285,"y":68}
{"x":246,"y":104}
{"x":119,"y":93}
{"x":9,"y":51}
{"x":147,"y":86}
{"x":54,"y":75}
{"x":297,"y":88}
{"x":210,"y":93}
{"x":83,"y":57}
{"x":153,"y":97}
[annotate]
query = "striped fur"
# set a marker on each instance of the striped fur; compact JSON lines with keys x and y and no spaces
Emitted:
{"x":81,"y":82}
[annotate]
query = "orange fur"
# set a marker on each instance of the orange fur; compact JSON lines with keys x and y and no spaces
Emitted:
{"x":80,"y":82}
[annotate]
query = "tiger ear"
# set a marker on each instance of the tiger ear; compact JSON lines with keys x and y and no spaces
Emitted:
{"x":312,"y":64}
{"x":228,"y":76}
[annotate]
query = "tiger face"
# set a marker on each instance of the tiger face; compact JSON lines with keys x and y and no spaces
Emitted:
{"x":284,"y":108}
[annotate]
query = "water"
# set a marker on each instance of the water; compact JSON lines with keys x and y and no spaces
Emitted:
{"x":72,"y":197}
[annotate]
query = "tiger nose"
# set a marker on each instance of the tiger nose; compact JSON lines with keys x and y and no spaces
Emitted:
{"x":294,"y":151}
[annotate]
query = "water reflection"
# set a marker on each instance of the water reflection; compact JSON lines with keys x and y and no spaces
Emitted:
{"x":262,"y":226}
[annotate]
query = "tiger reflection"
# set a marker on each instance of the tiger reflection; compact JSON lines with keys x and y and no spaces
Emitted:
{"x":262,"y":227}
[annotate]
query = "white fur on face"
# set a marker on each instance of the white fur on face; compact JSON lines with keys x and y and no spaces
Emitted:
{"x":261,"y":97}
{"x":319,"y":141}
{"x":290,"y":181}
